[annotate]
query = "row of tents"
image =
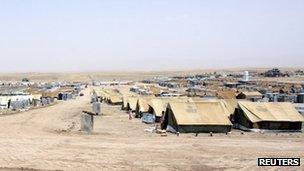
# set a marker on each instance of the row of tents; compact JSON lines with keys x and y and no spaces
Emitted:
{"x":18,"y":102}
{"x":185,"y":115}
{"x":35,"y":97}
{"x":111,"y":96}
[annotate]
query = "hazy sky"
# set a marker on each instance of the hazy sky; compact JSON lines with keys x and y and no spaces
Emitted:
{"x":89,"y":35}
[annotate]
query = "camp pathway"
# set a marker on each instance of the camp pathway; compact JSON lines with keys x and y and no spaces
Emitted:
{"x":43,"y":121}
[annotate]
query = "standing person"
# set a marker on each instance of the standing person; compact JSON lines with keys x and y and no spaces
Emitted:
{"x":130,"y":115}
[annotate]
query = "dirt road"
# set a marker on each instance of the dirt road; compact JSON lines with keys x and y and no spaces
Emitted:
{"x":49,"y":139}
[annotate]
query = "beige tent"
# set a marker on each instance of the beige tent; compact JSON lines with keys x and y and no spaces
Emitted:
{"x":37,"y":96}
{"x":143,"y":104}
{"x":227,"y":94}
{"x":253,"y":96}
{"x":157,"y":106}
{"x":196,"y":99}
{"x":115,"y":99}
{"x":265,"y":115}
{"x":112,"y":96}
{"x":197,"y":117}
{"x":230,"y":105}
{"x":131,"y":103}
{"x":155,"y":90}
{"x":124,"y":102}
{"x":101,"y":93}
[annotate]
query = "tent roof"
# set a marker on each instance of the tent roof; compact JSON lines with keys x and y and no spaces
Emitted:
{"x":230,"y":105}
{"x":50,"y":94}
{"x":132,"y":101}
{"x":65,"y":89}
{"x":143,"y":103}
{"x":154,"y":90}
{"x":252,"y":94}
{"x":114,"y":98}
{"x":199,"y":113}
{"x":125,"y":101}
{"x":196,"y":99}
{"x":159,"y":105}
{"x":226,"y":94}
{"x":266,"y":111}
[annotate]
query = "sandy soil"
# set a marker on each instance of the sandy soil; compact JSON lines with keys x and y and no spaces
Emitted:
{"x":120,"y":75}
{"x":49,"y":139}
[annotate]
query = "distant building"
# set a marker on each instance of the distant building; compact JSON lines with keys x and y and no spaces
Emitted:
{"x":275,"y":72}
{"x":246,"y":76}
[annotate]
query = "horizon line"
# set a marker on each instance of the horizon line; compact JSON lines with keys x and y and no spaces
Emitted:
{"x":159,"y":70}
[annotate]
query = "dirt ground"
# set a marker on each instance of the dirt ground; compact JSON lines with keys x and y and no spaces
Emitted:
{"x":49,"y":139}
{"x":132,"y":75}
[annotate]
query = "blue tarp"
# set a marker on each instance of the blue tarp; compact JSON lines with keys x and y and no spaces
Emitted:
{"x":65,"y":96}
{"x":148,"y":118}
{"x":46,"y":101}
{"x":19,"y":104}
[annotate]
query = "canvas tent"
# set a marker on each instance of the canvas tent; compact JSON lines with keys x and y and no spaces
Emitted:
{"x":15,"y":101}
{"x":226,"y":94}
{"x":19,"y":104}
{"x":99,"y":93}
{"x":65,"y":96}
{"x":142,"y":105}
{"x":114,"y":99}
{"x":252,"y":96}
{"x":53,"y":94}
{"x":196,"y":99}
{"x":157,"y":106}
{"x":155,"y":90}
{"x":112,"y":96}
{"x":268,"y":116}
{"x":230,"y":105}
{"x":124,"y":102}
{"x":4,"y":102}
{"x":196,"y":117}
{"x":131,"y":103}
